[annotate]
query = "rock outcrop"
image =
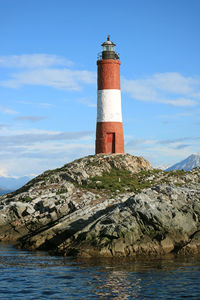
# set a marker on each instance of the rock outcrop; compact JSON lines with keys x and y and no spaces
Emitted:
{"x":105,"y":205}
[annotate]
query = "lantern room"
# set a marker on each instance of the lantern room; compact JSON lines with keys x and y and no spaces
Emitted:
{"x":108,"y":50}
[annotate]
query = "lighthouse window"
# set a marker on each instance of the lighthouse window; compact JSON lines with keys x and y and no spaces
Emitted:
{"x":108,"y":48}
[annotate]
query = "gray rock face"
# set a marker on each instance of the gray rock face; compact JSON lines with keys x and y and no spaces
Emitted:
{"x":57,"y":193}
{"x":57,"y":212}
{"x":150,"y":223}
{"x":82,"y":169}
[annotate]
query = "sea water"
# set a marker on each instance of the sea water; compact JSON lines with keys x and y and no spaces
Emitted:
{"x":37,"y":275}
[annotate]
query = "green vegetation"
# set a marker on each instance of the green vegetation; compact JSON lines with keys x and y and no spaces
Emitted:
{"x":62,"y":191}
{"x":176,"y":173}
{"x":26,"y":199}
{"x":121,"y":180}
{"x":93,"y":163}
{"x":178,"y":184}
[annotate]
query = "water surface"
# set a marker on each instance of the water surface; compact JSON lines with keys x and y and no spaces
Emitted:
{"x":36,"y":275}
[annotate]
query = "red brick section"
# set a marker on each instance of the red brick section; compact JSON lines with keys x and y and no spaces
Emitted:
{"x":109,"y":137}
{"x":108,"y":74}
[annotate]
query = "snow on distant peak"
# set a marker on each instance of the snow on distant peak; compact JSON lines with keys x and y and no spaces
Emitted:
{"x":187,"y":164}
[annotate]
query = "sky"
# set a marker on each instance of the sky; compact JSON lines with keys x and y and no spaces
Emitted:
{"x":48,"y":90}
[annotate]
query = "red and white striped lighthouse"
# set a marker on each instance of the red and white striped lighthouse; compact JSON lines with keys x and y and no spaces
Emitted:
{"x":109,"y":130}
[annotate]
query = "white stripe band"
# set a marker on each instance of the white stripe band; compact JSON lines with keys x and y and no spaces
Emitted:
{"x":109,"y":106}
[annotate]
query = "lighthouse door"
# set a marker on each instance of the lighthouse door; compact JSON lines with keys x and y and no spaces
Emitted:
{"x":110,"y":142}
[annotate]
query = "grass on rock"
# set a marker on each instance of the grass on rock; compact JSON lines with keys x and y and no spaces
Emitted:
{"x":120,"y":180}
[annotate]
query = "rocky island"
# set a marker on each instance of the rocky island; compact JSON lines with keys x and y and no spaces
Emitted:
{"x":105,"y":205}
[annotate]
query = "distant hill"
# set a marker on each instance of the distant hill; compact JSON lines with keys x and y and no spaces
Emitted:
{"x":8,"y":184}
{"x":187,"y":164}
{"x":2,"y":192}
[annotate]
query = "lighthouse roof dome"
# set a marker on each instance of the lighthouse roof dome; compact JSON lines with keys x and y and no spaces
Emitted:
{"x":108,"y":42}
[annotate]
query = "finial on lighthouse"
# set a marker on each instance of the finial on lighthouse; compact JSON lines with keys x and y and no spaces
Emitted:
{"x":109,"y":130}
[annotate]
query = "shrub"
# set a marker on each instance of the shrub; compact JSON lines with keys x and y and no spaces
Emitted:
{"x":120,"y":180}
{"x":62,"y":191}
{"x":27,"y":199}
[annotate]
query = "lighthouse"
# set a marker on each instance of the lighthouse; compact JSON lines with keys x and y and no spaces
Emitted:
{"x":109,"y":128}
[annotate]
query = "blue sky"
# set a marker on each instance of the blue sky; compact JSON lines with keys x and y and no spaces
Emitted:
{"x":48,"y":87}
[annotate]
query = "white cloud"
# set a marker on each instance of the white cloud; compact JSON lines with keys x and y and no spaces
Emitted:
{"x":44,"y":70}
{"x":178,"y":140}
{"x":163,"y":152}
{"x":176,"y":116}
{"x":168,"y":88}
{"x":64,"y":79}
{"x":34,"y":151}
{"x":43,"y":104}
{"x":2,"y":126}
{"x":174,"y":142}
{"x":135,"y":143}
{"x":87,"y":102}
{"x":7,"y":110}
{"x":173,"y":83}
{"x":3,"y":172}
{"x":22,"y":139}
{"x":32,"y":119}
{"x":10,"y":131}
{"x":179,"y":102}
{"x":196,"y":95}
{"x":37,"y":158}
{"x":33,"y":61}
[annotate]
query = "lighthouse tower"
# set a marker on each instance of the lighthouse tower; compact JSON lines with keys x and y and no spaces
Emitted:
{"x":109,"y":129}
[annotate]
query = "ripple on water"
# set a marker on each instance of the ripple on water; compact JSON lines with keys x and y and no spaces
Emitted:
{"x":36,"y":275}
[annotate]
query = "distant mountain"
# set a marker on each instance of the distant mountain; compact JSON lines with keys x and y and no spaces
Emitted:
{"x":187,"y":164}
{"x":2,"y":192}
{"x":8,"y":184}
